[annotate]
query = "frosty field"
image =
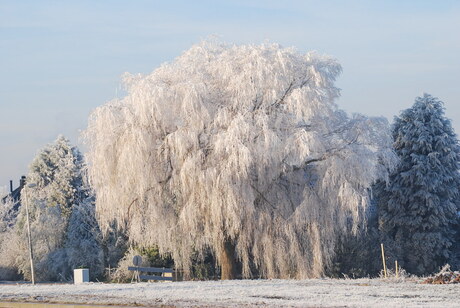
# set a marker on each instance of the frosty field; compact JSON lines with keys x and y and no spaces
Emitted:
{"x":243,"y":293}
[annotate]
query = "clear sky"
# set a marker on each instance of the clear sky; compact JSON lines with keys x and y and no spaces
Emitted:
{"x":61,"y":59}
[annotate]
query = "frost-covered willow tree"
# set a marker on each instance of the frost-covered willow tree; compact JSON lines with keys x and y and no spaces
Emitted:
{"x":418,"y":209}
{"x":237,"y":150}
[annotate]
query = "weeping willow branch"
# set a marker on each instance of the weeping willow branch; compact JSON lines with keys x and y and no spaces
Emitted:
{"x":239,"y":142}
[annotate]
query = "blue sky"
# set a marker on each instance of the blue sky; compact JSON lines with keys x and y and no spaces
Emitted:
{"x":61,"y":59}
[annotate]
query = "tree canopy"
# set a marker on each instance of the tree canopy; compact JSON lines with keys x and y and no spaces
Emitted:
{"x":240,"y":151}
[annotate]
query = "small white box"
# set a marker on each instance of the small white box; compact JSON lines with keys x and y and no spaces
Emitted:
{"x":80,"y":275}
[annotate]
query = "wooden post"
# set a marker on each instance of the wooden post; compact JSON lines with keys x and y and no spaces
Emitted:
{"x":383,"y":261}
{"x":397,"y":270}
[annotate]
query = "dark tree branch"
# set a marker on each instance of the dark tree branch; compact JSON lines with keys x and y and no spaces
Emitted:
{"x":137,"y":199}
{"x":288,"y":91}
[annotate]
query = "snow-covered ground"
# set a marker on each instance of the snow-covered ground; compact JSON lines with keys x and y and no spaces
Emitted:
{"x":244,"y":293}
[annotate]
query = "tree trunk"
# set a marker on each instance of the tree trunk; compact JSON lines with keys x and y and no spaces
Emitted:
{"x":227,"y":261}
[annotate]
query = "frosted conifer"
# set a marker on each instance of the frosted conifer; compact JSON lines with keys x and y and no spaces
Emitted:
{"x":59,"y":188}
{"x":57,"y":173}
{"x":240,"y":150}
{"x":418,"y":208}
{"x":83,"y":240}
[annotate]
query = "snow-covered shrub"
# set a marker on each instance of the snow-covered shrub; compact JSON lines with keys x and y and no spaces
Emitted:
{"x":9,"y":241}
{"x":47,"y":227}
{"x":115,"y":245}
{"x":237,"y":150}
{"x":155,"y":258}
{"x":358,"y":255}
{"x":7,"y":220}
{"x":121,"y":273}
{"x":395,"y":276}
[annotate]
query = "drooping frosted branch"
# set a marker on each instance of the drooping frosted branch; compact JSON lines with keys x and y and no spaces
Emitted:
{"x":241,"y":144}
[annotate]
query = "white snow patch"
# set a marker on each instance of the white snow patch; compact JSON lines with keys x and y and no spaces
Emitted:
{"x":237,"y":293}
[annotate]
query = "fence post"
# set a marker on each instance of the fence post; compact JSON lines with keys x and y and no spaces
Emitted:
{"x":383,"y":261}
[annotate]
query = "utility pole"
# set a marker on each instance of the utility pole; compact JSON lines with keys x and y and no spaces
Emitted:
{"x":31,"y":256}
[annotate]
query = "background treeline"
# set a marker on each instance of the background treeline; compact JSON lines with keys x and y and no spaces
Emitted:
{"x":414,"y":213}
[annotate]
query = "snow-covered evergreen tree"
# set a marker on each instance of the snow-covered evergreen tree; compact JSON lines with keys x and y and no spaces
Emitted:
{"x":237,"y":150}
{"x":418,"y":209}
{"x":83,"y":240}
{"x":56,"y":202}
{"x":57,"y":173}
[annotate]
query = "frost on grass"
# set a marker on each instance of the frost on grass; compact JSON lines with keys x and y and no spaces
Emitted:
{"x":237,"y":150}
